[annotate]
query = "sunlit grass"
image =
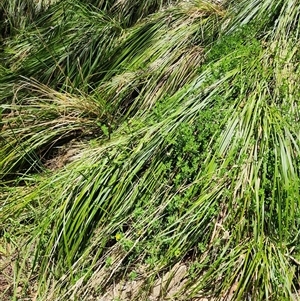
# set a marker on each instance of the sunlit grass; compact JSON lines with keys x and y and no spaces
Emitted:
{"x":185,"y":119}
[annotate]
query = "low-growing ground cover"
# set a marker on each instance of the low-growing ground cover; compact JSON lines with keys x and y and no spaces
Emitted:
{"x":149,"y":150}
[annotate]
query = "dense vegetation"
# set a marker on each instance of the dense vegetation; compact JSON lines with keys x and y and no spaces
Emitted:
{"x":136,"y":135}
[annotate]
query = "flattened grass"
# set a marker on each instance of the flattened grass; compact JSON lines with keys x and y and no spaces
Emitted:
{"x":190,"y":153}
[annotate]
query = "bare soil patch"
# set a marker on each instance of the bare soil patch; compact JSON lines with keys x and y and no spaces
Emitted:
{"x":6,"y":276}
{"x":170,"y":286}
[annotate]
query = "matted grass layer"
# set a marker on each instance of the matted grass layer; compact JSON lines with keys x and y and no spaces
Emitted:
{"x":139,"y":139}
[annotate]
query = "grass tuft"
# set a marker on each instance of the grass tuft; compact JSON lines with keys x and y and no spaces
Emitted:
{"x":154,"y":143}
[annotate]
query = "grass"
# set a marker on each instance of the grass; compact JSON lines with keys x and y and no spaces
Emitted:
{"x":184,"y":117}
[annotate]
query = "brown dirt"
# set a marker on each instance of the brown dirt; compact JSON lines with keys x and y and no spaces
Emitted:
{"x":62,"y":155}
{"x":6,"y":275}
{"x":8,"y":258}
{"x":169,"y":287}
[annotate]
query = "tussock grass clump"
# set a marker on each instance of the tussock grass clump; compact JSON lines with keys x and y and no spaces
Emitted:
{"x":184,"y":121}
